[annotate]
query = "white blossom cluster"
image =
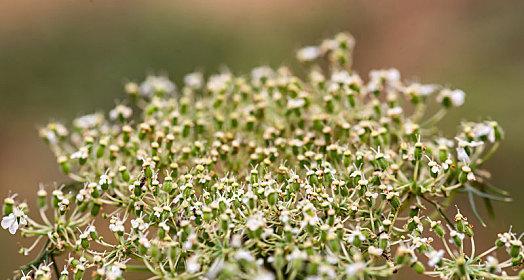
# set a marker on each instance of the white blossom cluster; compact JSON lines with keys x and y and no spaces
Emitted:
{"x":268,"y":176}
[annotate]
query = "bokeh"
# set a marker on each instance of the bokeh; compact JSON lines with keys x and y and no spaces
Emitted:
{"x":62,"y":59}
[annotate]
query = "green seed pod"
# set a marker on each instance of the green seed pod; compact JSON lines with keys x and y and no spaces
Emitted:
{"x":418,"y":267}
{"x":79,"y":273}
{"x":167,"y":186}
{"x":457,"y":240}
{"x":85,"y":243}
{"x":95,"y":209}
{"x":8,"y":206}
{"x":461,"y":265}
{"x":64,"y":165}
{"x":100,"y":150}
{"x":516,"y":261}
{"x":395,"y":202}
{"x":515,"y":248}
{"x":42,"y":199}
{"x":439,"y":230}
{"x":351,"y":99}
{"x":272,"y":198}
{"x":124,"y":173}
{"x":64,"y":275}
{"x":413,"y":211}
{"x":443,"y":153}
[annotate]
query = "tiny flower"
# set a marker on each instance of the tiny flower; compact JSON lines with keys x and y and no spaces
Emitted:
{"x":308,"y":53}
{"x":244,"y":255}
{"x":120,"y":111}
{"x":484,"y":130}
{"x":261,"y":73}
{"x":88,"y":121}
{"x":194,"y":80}
{"x":12,"y":221}
{"x":375,"y":251}
{"x":113,"y":272}
{"x":417,"y":89}
{"x":344,"y":78}
{"x":295,"y":103}
{"x":453,"y":98}
{"x":435,"y":257}
{"x":255,"y":222}
{"x":355,"y":268}
{"x":217,"y":83}
{"x":192,"y":264}
{"x":378,"y":78}
{"x":156,"y":84}
{"x":81,"y":154}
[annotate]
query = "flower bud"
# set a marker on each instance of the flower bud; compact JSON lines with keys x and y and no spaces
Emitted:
{"x":8,"y":206}
{"x":418,"y":267}
{"x":64,"y":164}
{"x":124,"y":173}
{"x":42,"y":199}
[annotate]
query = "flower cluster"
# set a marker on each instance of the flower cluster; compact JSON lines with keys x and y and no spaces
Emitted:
{"x":268,"y":176}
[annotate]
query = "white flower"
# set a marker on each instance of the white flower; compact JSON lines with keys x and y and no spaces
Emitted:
{"x":375,"y":251}
{"x":82,"y":153}
{"x":456,"y":97}
{"x":116,"y":225}
{"x":356,"y":234}
{"x":144,"y":242}
{"x":390,"y":77}
{"x":461,"y":152}
{"x":236,"y":241}
{"x":215,"y":268}
{"x":244,"y":255}
{"x":343,"y":77}
{"x":192,"y":265}
{"x":139,"y":224}
{"x":262,"y":72}
{"x":155,"y":84}
{"x":120,"y":110}
{"x":435,"y":257}
{"x":294,"y":103}
{"x":255,"y":222}
{"x":113,"y":272}
{"x":355,"y":268}
{"x":395,"y":111}
{"x":445,"y":142}
{"x":12,"y":221}
{"x":462,"y":155}
{"x":419,"y":89}
{"x":219,"y":82}
{"x":482,"y":129}
{"x":284,"y":217}
{"x":492,"y":262}
{"x":308,"y":53}
{"x":454,"y":233}
{"x":104,"y":179}
{"x":194,"y":80}
{"x":88,"y":121}
{"x":434,"y":167}
{"x":296,"y":255}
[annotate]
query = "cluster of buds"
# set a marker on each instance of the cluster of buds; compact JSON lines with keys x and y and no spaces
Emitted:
{"x":268,"y":176}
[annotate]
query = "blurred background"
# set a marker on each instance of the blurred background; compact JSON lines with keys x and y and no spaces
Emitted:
{"x":62,"y":59}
